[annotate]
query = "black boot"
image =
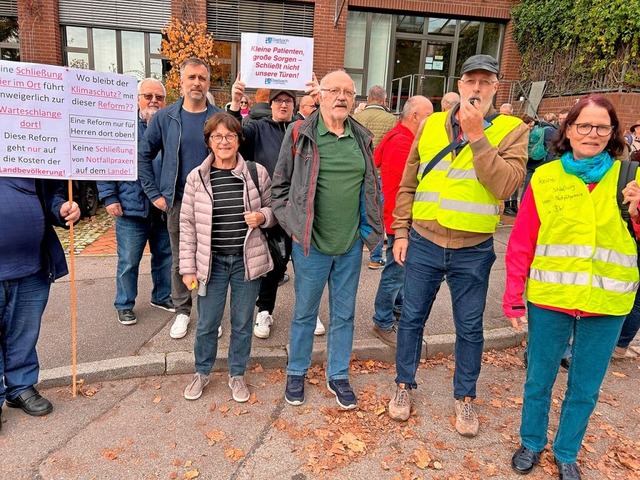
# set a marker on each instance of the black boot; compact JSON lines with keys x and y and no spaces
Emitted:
{"x":511,"y":208}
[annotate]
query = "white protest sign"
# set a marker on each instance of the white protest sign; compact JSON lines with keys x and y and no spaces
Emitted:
{"x":66,"y":123}
{"x":276,"y":61}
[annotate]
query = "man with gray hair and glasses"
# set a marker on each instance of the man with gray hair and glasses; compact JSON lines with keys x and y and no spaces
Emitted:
{"x":325,"y":195}
{"x":176,"y":131}
{"x":138,"y":221}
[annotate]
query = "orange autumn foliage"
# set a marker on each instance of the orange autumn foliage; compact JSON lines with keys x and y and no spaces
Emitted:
{"x":183,"y":39}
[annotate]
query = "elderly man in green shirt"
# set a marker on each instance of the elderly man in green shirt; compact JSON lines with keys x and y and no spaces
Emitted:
{"x":325,"y":195}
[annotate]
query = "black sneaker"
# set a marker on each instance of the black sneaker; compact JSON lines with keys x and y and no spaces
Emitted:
{"x":168,"y":305}
{"x":343,"y":392}
{"x":127,"y":317}
{"x":294,"y":393}
{"x":285,"y":278}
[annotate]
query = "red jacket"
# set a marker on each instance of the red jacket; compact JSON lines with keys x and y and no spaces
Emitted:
{"x":390,"y":157}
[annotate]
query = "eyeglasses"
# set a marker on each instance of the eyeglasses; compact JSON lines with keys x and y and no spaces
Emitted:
{"x":229,"y":137}
{"x":601,"y":130}
{"x":149,"y":96}
{"x":334,"y":92}
{"x":283,"y":101}
{"x":244,"y":103}
{"x":483,"y":83}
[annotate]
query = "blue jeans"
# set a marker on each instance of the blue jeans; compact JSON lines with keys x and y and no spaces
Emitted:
{"x":132,"y":234}
{"x":631,"y":324}
{"x":226,"y":270}
{"x":376,"y":253}
{"x":312,"y":273}
{"x":390,"y":290}
{"x":593,"y":342}
{"x":467,"y":273}
{"x":22,"y":302}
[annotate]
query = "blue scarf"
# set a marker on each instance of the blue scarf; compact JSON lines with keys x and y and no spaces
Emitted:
{"x":590,"y":169}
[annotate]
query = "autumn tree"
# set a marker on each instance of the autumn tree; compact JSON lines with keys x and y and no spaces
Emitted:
{"x":183,"y":39}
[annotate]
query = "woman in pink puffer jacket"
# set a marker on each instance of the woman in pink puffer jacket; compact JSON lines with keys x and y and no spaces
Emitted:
{"x":221,"y":245}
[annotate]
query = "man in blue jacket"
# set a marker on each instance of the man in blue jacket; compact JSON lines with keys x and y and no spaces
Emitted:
{"x":177,"y":133}
{"x":137,"y":221}
{"x":31,"y":258}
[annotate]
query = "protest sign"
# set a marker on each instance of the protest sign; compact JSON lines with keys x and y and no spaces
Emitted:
{"x":276,"y":61}
{"x":66,"y":123}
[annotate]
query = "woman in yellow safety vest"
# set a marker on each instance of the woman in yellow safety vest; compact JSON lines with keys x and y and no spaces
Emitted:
{"x":573,"y":251}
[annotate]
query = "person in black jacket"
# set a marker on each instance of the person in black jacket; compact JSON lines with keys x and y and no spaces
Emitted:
{"x":31,"y":258}
{"x":262,"y":141}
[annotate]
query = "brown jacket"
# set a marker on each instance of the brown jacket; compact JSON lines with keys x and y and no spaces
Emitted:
{"x":195,"y":222}
{"x":500,"y":169}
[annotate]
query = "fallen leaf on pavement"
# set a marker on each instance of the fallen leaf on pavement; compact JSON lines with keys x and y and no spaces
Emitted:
{"x":233,"y":454}
{"x":215,"y":436}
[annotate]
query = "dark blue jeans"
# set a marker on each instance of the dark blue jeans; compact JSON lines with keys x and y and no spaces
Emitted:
{"x":226,"y":270}
{"x":390,"y":293}
{"x":313,"y":272}
{"x":22,"y":302}
{"x":593,"y":341}
{"x":467,"y":273}
{"x":132,"y":234}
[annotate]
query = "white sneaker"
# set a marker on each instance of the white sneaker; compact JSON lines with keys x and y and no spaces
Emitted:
{"x":262,"y":328}
{"x":179,"y":327}
{"x":239,"y":390}
{"x":219,"y":331}
{"x":320,"y":330}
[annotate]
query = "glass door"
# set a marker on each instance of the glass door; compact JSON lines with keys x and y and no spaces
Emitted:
{"x":437,"y":60}
{"x":408,"y":54}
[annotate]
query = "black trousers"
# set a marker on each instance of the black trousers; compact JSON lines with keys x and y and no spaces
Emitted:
{"x":269,"y":286}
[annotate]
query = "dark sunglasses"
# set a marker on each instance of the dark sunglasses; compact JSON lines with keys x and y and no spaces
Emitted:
{"x":149,"y":96}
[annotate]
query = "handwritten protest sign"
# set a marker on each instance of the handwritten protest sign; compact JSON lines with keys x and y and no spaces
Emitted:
{"x":59,"y":122}
{"x":276,"y":61}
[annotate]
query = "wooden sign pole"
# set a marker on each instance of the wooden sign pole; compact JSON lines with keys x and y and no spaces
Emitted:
{"x":72,"y":270}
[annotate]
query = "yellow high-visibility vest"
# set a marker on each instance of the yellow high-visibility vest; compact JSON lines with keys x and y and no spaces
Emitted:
{"x":585,"y":258}
{"x":451,"y":193}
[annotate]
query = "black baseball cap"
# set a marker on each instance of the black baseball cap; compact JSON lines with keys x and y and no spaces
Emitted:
{"x":480,"y":62}
{"x":274,"y":93}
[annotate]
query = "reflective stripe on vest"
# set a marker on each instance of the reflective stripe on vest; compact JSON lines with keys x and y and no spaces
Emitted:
{"x":451,"y":192}
{"x":584,"y":251}
{"x":585,"y":260}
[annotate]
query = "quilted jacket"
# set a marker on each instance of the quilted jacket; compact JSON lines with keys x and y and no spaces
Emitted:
{"x":195,"y":222}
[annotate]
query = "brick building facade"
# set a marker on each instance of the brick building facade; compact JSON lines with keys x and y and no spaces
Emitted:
{"x":376,"y":41}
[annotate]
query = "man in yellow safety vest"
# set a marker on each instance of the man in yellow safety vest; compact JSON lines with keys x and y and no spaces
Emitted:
{"x":463,"y":163}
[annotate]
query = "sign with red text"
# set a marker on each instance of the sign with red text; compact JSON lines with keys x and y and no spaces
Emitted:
{"x":276,"y":61}
{"x":66,"y":123}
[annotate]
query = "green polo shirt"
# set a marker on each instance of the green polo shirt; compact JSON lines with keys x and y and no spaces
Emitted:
{"x":337,"y":201}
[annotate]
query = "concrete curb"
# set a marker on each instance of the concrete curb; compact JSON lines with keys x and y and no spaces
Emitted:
{"x":181,"y":362}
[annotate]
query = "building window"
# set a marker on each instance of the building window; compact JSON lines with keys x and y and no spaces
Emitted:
{"x":116,"y":51}
{"x":9,"y":40}
{"x":366,"y":57}
{"x":412,"y":54}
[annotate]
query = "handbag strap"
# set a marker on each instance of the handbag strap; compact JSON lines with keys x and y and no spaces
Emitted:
{"x":627,"y":173}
